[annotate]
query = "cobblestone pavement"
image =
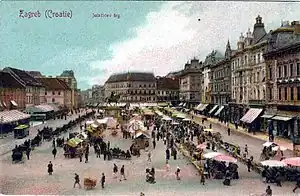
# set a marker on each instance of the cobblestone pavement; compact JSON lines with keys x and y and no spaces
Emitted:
{"x":255,"y":145}
{"x":8,"y":143}
{"x":31,"y":177}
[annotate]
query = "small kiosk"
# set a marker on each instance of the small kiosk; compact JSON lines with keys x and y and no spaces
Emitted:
{"x":21,"y":131}
{"x":141,"y":138}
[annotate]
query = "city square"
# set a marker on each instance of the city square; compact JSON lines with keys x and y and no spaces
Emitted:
{"x":150,"y":98}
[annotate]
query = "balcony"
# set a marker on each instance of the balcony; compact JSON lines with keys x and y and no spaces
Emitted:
{"x":257,"y":102}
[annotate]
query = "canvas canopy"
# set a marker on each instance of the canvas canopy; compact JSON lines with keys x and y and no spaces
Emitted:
{"x":21,"y":127}
{"x":102,"y":121}
{"x":94,"y":125}
{"x":167,"y":118}
{"x":74,"y":142}
{"x":89,"y":122}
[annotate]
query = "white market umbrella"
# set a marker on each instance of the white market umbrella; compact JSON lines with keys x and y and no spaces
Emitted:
{"x":186,"y":119}
{"x":210,"y":155}
{"x":273,"y":163}
{"x":225,"y":158}
{"x":279,"y":148}
{"x":175,"y":123}
{"x":267,"y":144}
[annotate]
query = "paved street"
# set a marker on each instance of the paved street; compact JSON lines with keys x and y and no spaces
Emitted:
{"x":31,"y":177}
{"x":8,"y":143}
{"x":255,"y":145}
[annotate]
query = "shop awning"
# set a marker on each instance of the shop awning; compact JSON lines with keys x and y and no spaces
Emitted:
{"x":21,"y":127}
{"x":198,"y":106}
{"x":54,"y":106}
{"x":180,"y":115}
{"x":213,"y":109}
{"x":180,"y":104}
{"x":219,"y":110}
{"x":267,"y":116}
{"x":251,"y":115}
{"x":203,"y":107}
{"x":282,"y":118}
{"x":4,"y":104}
{"x":1,"y":105}
{"x":167,"y":118}
{"x":45,"y":108}
{"x":12,"y":116}
{"x":13,"y":103}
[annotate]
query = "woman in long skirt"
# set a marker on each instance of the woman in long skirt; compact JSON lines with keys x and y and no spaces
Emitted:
{"x":50,"y":168}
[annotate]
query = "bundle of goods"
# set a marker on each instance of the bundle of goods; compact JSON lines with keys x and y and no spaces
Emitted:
{"x":89,"y":183}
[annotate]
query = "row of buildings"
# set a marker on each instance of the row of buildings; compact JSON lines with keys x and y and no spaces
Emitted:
{"x":256,"y":83}
{"x":20,"y":89}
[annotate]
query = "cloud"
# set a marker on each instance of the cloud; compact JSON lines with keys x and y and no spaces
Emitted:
{"x":173,"y":35}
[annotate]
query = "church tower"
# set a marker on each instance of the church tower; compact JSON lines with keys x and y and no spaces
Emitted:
{"x":228,"y":50}
{"x":241,"y":42}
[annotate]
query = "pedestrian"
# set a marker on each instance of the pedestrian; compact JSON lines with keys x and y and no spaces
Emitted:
{"x":202,"y":179}
{"x":177,"y":173}
{"x":142,"y":194}
{"x":53,"y":143}
{"x":149,"y":156}
{"x":246,"y":149}
{"x":297,"y":185}
{"x":154,"y":143}
{"x":86,"y":157}
{"x":50,"y":168}
{"x":28,"y":153}
{"x":54,"y":151}
{"x":167,"y":154}
{"x":268,"y":191}
{"x":167,"y":166}
{"x":174,"y":154}
{"x":165,"y":140}
{"x":210,"y":125}
{"x":102,"y":180}
{"x":108,"y":145}
{"x":115,"y":171}
{"x":249,"y":164}
{"x":104,"y":154}
{"x":77,"y":180}
{"x":228,"y":131}
{"x":80,"y":155}
{"x":122,"y":172}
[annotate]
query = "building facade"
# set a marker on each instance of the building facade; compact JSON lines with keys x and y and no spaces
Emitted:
{"x":69,"y":77}
{"x":190,"y":83}
{"x":12,"y":92}
{"x":221,"y":84}
{"x":132,"y":87}
{"x":98,"y":93}
{"x":35,"y":91}
{"x":57,"y":91}
{"x":248,"y":70}
{"x":282,"y":116}
{"x":167,"y":89}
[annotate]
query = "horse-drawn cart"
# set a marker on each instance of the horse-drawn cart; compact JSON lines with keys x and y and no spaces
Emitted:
{"x":89,"y":183}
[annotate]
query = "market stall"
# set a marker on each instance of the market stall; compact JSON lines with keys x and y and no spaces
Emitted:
{"x":73,"y":147}
{"x":21,"y":131}
{"x":142,"y":138}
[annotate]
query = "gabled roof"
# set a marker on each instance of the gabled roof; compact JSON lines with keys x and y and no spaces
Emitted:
{"x":131,"y":76}
{"x":52,"y":84}
{"x":8,"y":81}
{"x":35,"y":74}
{"x":65,"y":84}
{"x":23,"y":76}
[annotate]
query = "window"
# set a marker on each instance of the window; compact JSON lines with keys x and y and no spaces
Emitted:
{"x":298,"y":69}
{"x":291,"y":70}
{"x":298,"y":93}
{"x":292,"y":94}
{"x":285,"y":92}
{"x":270,"y":73}
{"x":279,"y":94}
{"x":271,"y":93}
{"x":53,"y":100}
{"x":45,"y":92}
{"x":53,"y":93}
{"x":58,"y":92}
{"x":285,"y":71}
{"x":279,"y":72}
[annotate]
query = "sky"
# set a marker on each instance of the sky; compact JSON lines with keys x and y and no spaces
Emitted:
{"x":158,"y":37}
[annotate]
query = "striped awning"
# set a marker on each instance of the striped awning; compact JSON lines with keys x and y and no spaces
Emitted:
{"x":12,"y":116}
{"x":1,"y":105}
{"x":219,"y":110}
{"x":213,"y":109}
{"x":267,"y":116}
{"x":282,"y":118}
{"x":203,"y":107}
{"x":251,"y":115}
{"x":45,"y":108}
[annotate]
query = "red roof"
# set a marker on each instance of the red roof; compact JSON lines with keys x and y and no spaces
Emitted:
{"x":53,"y":84}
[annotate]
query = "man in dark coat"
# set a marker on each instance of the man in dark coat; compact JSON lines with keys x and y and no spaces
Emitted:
{"x":102,"y":180}
{"x":28,"y":153}
{"x":154,"y":143}
{"x":54,"y":151}
{"x":50,"y":168}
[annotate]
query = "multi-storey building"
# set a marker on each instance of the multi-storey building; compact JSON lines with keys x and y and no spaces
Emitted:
{"x":282,"y":116}
{"x":132,"y":87}
{"x":12,"y":92}
{"x":57,"y":91}
{"x":69,"y":77}
{"x":35,"y":91}
{"x":190,"y":83}
{"x":248,"y":70}
{"x":167,"y":89}
{"x":221,"y":83}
